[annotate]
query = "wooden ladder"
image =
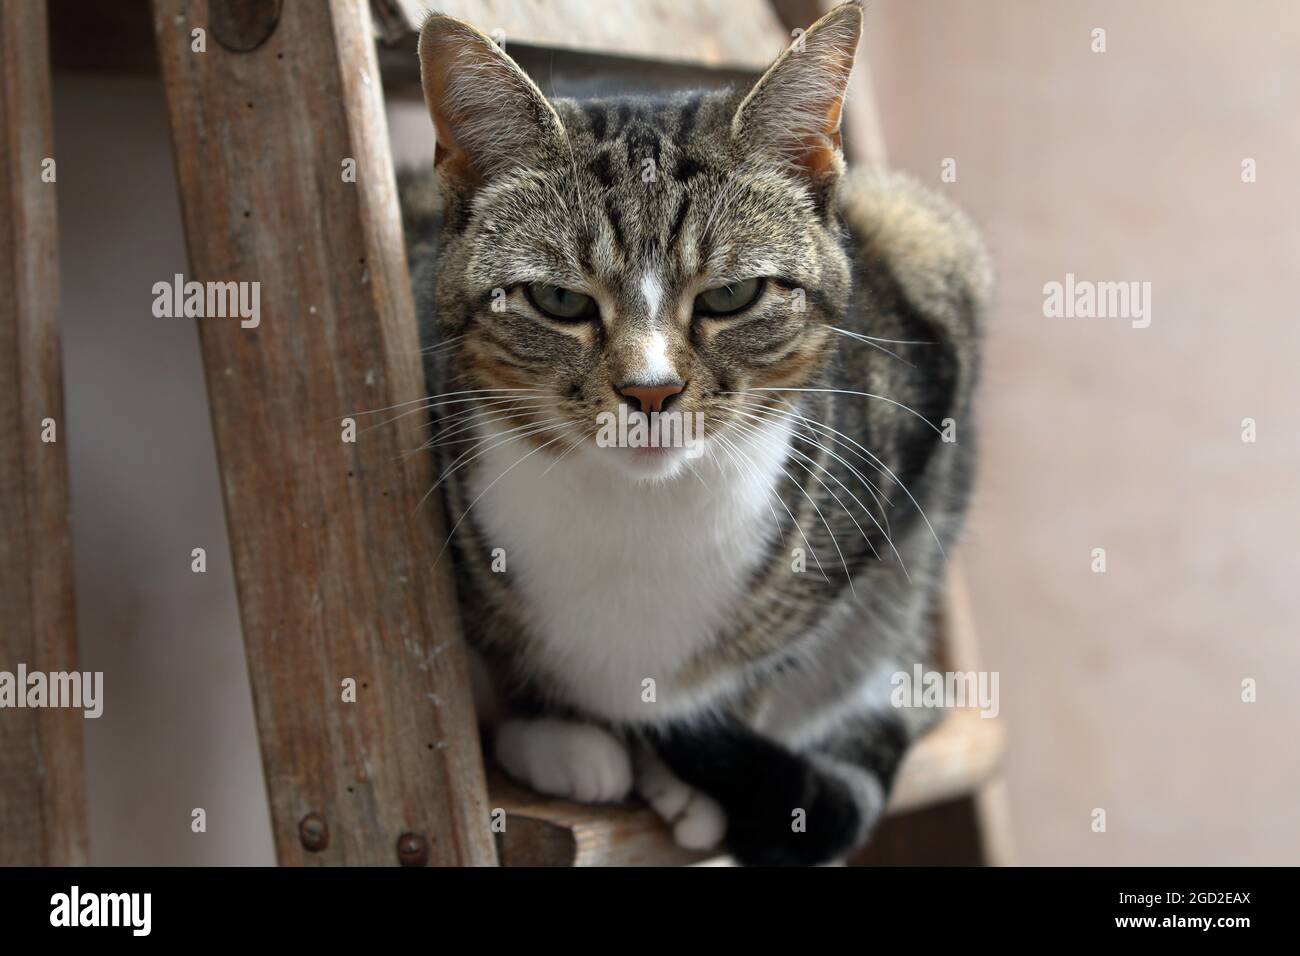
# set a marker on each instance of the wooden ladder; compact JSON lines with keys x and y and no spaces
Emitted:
{"x":331,"y":547}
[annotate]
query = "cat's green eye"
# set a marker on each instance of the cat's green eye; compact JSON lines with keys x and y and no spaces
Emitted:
{"x":726,"y":299}
{"x":560,"y":303}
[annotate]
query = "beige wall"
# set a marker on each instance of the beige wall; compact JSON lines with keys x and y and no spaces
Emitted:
{"x":1122,"y":690}
{"x":177,"y":729}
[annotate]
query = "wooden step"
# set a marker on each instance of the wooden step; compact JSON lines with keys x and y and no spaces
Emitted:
{"x":716,"y":33}
{"x":961,"y":754}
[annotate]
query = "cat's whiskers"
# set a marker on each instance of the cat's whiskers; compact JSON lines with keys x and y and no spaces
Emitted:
{"x":836,"y":436}
{"x":768,"y":491}
{"x":428,"y":402}
{"x":868,"y":340}
{"x":878,"y":463}
{"x":427,"y":407}
{"x":429,"y":398}
{"x":877,"y":495}
{"x":529,"y":432}
{"x":578,"y":441}
{"x":429,"y":349}
{"x":698,"y":476}
{"x":498,"y":439}
{"x":839,"y":438}
{"x":882,"y":467}
{"x":877,"y":338}
{"x":478,"y":497}
{"x":442,"y":344}
{"x":882,"y":523}
{"x":834,"y":478}
{"x":808,"y":467}
{"x":885,"y":530}
{"x":473,"y":405}
{"x":773,"y":492}
{"x":466,"y":421}
{"x":457,"y":421}
{"x":845,"y":391}
{"x":825,"y":523}
{"x":713,"y":458}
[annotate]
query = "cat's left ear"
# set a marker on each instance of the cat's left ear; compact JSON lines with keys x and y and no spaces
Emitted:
{"x":488,"y":115}
{"x":793,"y":112}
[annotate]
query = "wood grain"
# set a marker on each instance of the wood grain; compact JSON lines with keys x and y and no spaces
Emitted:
{"x":740,"y":34}
{"x":42,"y":788}
{"x":540,"y":831}
{"x":334,"y":553}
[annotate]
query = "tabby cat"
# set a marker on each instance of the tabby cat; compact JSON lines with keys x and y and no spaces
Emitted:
{"x":711,"y":625}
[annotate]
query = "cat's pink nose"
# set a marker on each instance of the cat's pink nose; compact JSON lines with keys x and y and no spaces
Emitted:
{"x":651,"y":398}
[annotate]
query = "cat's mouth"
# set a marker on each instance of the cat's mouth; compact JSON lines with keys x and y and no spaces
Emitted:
{"x":654,"y":456}
{"x":653,"y":445}
{"x":650,"y":462}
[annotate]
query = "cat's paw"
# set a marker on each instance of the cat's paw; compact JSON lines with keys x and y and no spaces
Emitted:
{"x":814,"y":818}
{"x":565,"y":759}
{"x":698,"y":821}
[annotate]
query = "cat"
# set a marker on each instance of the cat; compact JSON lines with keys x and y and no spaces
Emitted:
{"x":713,"y":627}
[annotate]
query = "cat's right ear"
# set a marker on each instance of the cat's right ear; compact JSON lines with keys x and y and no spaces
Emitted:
{"x":488,"y":114}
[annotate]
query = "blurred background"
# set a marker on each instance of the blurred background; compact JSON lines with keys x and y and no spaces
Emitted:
{"x":1121,"y":691}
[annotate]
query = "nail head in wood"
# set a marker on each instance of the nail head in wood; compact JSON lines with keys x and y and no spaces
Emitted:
{"x":314,"y":832}
{"x":413,"y":849}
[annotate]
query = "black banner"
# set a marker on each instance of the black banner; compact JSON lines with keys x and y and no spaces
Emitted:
{"x":333,"y":905}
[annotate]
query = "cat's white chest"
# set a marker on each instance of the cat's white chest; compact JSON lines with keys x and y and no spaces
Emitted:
{"x":623,"y":582}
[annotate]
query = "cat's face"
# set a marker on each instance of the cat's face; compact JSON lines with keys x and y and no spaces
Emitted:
{"x":664,"y":256}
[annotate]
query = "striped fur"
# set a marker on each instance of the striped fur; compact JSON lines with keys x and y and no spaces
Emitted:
{"x":822,"y":403}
